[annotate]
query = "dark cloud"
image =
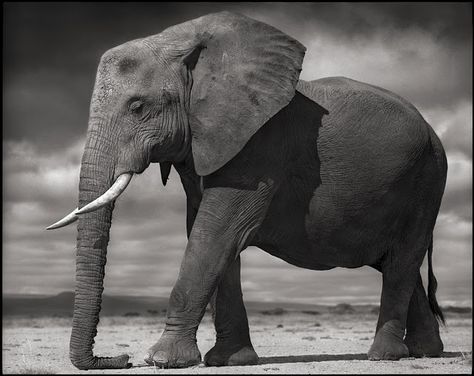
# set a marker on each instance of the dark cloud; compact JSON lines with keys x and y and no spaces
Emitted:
{"x":445,"y":21}
{"x":422,"y":51}
{"x":51,"y":50}
{"x":40,"y":104}
{"x":453,"y":125}
{"x":457,"y":200}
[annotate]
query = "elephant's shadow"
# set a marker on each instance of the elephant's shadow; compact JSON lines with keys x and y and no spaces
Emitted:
{"x":266,"y":360}
{"x":330,"y":357}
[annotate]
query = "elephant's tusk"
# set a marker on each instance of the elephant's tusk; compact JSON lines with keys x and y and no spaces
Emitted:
{"x":114,"y":191}
{"x":68,"y":219}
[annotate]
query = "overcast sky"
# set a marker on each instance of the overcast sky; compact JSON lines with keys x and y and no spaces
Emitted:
{"x":422,"y":52}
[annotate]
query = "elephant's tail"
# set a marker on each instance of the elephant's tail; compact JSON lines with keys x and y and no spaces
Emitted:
{"x":432,"y":286}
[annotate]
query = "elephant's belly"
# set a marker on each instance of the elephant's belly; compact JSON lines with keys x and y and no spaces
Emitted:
{"x":347,"y":237}
{"x":320,"y":249}
{"x":323,"y":230}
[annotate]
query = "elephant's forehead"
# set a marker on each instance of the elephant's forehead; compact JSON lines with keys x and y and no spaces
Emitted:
{"x":124,"y":68}
{"x":127,"y":60}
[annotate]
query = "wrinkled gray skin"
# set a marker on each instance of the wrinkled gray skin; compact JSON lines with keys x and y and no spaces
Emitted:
{"x":322,"y":174}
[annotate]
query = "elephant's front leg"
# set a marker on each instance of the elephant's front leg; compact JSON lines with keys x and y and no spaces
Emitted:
{"x":226,"y":220}
{"x":233,"y":346}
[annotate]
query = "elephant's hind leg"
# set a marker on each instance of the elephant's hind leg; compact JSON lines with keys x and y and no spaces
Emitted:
{"x":400,"y":272}
{"x":233,"y":346}
{"x":422,"y":337}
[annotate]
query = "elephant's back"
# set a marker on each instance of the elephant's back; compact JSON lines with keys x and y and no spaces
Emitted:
{"x":369,"y":135}
{"x":358,"y":107}
{"x":331,"y":91}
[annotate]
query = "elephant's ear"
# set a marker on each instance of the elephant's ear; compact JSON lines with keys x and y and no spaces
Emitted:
{"x":243,"y":72}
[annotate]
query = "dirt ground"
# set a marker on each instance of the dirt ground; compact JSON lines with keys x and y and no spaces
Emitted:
{"x":290,"y":342}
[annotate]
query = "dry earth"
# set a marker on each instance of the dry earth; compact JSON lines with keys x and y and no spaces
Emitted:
{"x":287,"y":342}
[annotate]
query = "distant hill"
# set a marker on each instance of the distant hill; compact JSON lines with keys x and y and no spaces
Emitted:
{"x":61,"y":305}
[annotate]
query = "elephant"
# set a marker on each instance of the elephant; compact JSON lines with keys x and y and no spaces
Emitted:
{"x":321,"y":174}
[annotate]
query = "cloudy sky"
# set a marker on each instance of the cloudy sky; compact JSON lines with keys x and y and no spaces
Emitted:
{"x":422,"y":52}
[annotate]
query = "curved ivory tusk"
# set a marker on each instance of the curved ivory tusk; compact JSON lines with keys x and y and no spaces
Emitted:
{"x":114,"y":191}
{"x":68,"y":219}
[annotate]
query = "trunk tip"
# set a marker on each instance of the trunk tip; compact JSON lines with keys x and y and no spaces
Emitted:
{"x":96,"y":362}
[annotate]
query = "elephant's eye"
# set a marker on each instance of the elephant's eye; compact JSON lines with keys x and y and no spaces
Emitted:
{"x":136,"y":107}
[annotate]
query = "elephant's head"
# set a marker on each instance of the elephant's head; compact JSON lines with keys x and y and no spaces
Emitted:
{"x":202,"y":87}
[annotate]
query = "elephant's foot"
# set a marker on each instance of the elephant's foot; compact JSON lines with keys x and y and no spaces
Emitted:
{"x":228,"y":354}
{"x":424,"y":344}
{"x":173,"y":351}
{"x":388,"y":343}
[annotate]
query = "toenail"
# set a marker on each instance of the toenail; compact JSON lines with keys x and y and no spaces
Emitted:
{"x":160,"y":356}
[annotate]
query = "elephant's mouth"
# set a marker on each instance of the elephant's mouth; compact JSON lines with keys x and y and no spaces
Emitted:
{"x":110,"y":195}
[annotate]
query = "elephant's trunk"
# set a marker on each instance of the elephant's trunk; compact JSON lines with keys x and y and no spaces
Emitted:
{"x":96,"y":177}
